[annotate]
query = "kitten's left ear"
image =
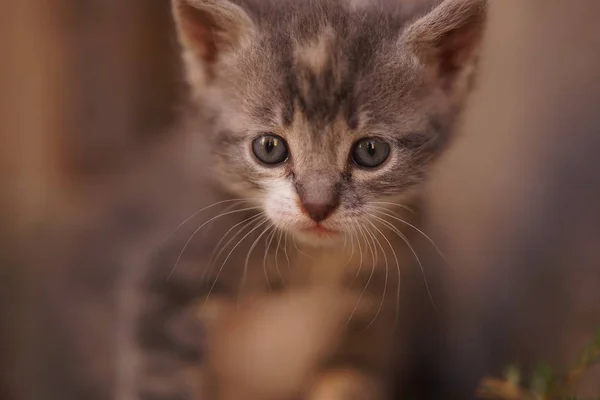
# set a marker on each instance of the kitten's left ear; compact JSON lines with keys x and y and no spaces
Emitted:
{"x":447,"y":39}
{"x":209,"y":29}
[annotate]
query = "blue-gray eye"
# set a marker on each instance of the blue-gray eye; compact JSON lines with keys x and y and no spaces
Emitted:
{"x":370,"y":152}
{"x":270,"y":149}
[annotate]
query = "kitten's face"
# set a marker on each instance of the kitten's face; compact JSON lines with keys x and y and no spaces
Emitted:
{"x":321,"y":111}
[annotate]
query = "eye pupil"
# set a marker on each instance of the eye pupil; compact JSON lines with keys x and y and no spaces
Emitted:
{"x":270,"y":149}
{"x":371,"y":148}
{"x":370,"y":152}
{"x":269,"y":144}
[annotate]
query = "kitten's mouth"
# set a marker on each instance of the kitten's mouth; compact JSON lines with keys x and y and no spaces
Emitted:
{"x":318,"y":235}
{"x":320,"y":230}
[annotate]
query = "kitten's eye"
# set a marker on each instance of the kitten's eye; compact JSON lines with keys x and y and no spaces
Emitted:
{"x":370,"y":152}
{"x":270,"y":149}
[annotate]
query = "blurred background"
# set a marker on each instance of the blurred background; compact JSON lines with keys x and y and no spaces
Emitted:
{"x":85,"y":85}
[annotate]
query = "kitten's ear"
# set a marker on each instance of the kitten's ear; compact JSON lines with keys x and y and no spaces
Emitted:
{"x":210,"y":28}
{"x":447,"y":39}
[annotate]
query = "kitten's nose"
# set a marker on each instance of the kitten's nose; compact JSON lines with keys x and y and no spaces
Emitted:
{"x":319,"y":211}
{"x":318,"y":195}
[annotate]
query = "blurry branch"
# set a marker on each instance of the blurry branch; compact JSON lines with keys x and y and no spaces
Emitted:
{"x":544,"y":383}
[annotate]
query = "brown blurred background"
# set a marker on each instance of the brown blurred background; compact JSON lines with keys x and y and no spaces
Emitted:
{"x":83,"y":85}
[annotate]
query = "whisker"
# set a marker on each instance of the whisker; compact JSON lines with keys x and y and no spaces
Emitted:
{"x":214,"y":257}
{"x":405,"y":239}
{"x":269,"y":239}
{"x":258,"y":225}
{"x":435,"y":246}
{"x":397,"y":316}
{"x":362,"y":293}
{"x":277,"y":259}
{"x":286,"y":253}
{"x":361,"y":260}
{"x":195,"y":214}
{"x":245,"y":274}
{"x":349,"y":232}
{"x":386,"y":276}
{"x":394,"y":205}
{"x":210,"y":224}
{"x":198,"y":230}
{"x":351,"y":250}
{"x":300,"y":251}
{"x":372,"y":249}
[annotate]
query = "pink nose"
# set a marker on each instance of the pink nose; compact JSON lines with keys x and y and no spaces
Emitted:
{"x":319,"y":211}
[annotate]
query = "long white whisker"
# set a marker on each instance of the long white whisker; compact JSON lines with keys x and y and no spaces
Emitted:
{"x":349,"y":232}
{"x":435,"y":246}
{"x":386,"y":276}
{"x":259,"y":224}
{"x":199,"y":229}
{"x":347,"y":235}
{"x":245,"y":274}
{"x":405,"y":239}
{"x":372,"y":249}
{"x":397,"y":316}
{"x":224,"y":211}
{"x":195,"y":214}
{"x":351,"y":249}
{"x":362,"y":293}
{"x":361,"y":258}
{"x":214,"y":257}
{"x":287,"y":258}
{"x":269,"y":239}
{"x":397,"y":311}
{"x":300,"y":251}
{"x":394,"y":205}
{"x":277,"y":258}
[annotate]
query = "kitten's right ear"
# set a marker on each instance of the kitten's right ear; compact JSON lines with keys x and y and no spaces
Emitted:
{"x":210,"y":28}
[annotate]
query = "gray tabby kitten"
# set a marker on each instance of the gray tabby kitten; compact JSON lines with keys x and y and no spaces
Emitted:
{"x":319,"y":120}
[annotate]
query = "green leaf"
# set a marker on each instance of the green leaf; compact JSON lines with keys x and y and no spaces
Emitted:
{"x":541,"y":380}
{"x":513,"y":375}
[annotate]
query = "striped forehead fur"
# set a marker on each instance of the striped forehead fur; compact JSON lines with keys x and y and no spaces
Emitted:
{"x":325,"y":50}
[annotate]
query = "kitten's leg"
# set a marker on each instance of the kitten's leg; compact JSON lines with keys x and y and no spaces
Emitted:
{"x":362,"y":360}
{"x":270,"y":347}
{"x":346,"y":384}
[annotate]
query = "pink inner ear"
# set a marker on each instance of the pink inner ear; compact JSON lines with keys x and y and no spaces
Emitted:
{"x":448,"y":38}
{"x":458,"y":46}
{"x":199,"y":29}
{"x":446,"y":54}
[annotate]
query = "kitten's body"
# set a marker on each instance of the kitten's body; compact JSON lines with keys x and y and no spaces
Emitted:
{"x":322,"y":75}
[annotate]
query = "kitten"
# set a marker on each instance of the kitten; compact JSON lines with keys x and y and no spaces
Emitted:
{"x":319,"y":120}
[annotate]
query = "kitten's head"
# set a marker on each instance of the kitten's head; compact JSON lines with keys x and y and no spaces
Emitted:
{"x":326,"y":109}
